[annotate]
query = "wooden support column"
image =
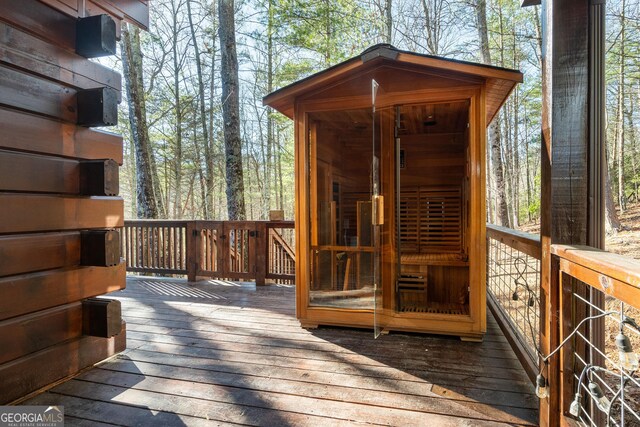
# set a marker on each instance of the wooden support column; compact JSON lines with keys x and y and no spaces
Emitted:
{"x":572,"y":159}
{"x":597,"y":168}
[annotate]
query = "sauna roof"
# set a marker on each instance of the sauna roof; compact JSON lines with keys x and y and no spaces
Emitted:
{"x":396,"y":71}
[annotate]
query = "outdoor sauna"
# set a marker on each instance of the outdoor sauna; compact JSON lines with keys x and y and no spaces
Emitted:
{"x":390,"y":154}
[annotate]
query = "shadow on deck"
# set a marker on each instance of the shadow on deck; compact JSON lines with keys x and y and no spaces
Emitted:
{"x":227,"y":353}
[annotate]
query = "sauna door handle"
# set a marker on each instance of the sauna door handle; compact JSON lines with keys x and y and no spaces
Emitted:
{"x":377,"y":216}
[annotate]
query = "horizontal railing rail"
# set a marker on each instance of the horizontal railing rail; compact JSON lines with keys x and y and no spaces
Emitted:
{"x":235,"y":250}
{"x":513,"y":285}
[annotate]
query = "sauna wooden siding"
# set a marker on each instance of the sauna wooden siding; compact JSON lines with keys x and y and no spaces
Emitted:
{"x":59,"y":206}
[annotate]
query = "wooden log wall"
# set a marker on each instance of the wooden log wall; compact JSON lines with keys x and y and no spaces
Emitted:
{"x":59,"y":204}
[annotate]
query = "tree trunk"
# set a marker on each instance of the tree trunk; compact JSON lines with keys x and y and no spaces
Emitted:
{"x":329,"y":34}
{"x":528,"y":169}
{"x":516,"y":164}
{"x":620,"y":114}
{"x":201,"y":178}
{"x":613,"y":224}
{"x":634,"y":148}
{"x":131,"y":155}
{"x":231,"y":111}
{"x":132,"y":69}
{"x":495,"y":138}
{"x":433,"y":24}
{"x":270,"y":143}
{"x":389,"y":21}
{"x":215,"y":148}
{"x":490,"y":206}
{"x":386,"y":16}
{"x":280,"y":185}
{"x":494,"y":134}
{"x":177,"y":168}
{"x":208,"y":202}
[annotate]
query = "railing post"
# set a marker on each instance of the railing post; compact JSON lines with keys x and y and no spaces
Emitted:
{"x":261,"y":242}
{"x":193,"y":251}
{"x":565,"y":383}
{"x":550,"y":411}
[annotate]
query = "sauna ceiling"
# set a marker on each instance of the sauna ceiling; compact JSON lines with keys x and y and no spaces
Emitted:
{"x":433,"y":118}
{"x":414,"y":119}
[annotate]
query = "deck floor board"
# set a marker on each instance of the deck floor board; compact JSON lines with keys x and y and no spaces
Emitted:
{"x":222,"y":353}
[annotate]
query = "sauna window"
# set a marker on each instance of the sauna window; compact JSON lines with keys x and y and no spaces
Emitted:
{"x":341,"y":244}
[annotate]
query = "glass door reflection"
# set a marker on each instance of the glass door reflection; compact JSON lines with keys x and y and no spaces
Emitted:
{"x":340,"y":188}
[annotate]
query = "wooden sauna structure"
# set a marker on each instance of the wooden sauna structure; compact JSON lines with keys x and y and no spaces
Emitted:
{"x":390,"y":184}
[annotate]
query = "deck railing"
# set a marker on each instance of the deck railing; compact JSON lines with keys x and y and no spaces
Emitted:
{"x":237,"y":250}
{"x":599,"y":298}
{"x":155,"y":246}
{"x":595,"y":295}
{"x":513,"y":285}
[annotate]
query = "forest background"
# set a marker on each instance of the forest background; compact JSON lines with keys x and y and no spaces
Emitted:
{"x":199,"y":144}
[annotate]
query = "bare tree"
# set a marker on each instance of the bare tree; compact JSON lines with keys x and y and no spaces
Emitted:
{"x":132,"y":68}
{"x":208,"y":158}
{"x":231,"y":111}
{"x":620,"y":140}
{"x":494,"y":133}
{"x":385,"y":10}
{"x":612,"y":224}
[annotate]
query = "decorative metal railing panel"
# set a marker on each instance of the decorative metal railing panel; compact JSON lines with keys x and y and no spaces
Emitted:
{"x":513,"y":285}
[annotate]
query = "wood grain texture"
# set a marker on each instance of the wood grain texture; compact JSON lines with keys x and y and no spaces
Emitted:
{"x":30,"y":213}
{"x":34,"y":252}
{"x":43,"y":170}
{"x":524,"y":242}
{"x":27,"y":293}
{"x":564,"y":168}
{"x":36,"y":331}
{"x":46,"y":366}
{"x":42,"y":21}
{"x":570,"y":129}
{"x":54,"y":175}
{"x":34,"y":134}
{"x":25,"y":92}
{"x":33,"y":55}
{"x":618,"y":267}
{"x":101,"y":317}
{"x":408,"y":72}
{"x":239,"y":351}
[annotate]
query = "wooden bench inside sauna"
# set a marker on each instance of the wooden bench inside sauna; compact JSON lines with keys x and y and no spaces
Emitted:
{"x":390,"y":183}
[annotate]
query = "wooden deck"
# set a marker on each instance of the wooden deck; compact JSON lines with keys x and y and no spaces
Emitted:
{"x":227,"y":353}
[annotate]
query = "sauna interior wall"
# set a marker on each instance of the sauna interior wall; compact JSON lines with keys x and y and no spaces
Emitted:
{"x":43,"y":210}
{"x":436,"y":157}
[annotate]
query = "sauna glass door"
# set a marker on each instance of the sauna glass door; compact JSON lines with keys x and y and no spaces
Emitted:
{"x":342,"y":235}
{"x":377,"y":201}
